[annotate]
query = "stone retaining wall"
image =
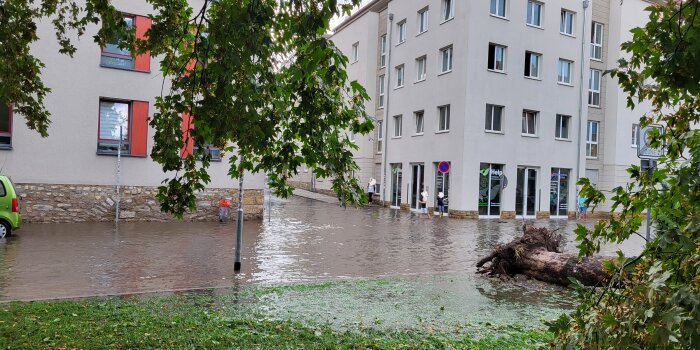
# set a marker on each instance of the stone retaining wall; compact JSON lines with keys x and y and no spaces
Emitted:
{"x":49,"y":203}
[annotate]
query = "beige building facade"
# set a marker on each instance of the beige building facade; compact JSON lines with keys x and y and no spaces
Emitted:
{"x":510,"y":94}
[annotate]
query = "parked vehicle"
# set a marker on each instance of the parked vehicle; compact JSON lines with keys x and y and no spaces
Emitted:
{"x":10,"y":218}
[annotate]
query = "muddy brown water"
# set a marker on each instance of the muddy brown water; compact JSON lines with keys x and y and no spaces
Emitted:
{"x":302,"y":240}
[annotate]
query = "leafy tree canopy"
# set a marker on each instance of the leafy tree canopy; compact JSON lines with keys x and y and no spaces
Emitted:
{"x":653,"y":300}
{"x":259,"y":78}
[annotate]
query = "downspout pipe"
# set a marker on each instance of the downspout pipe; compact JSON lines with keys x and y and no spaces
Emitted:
{"x":579,"y":174}
{"x":385,"y":123}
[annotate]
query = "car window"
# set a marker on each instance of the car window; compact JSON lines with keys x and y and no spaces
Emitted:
{"x":3,"y":192}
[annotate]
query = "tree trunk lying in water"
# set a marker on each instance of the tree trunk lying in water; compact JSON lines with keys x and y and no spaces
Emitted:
{"x":536,"y":254}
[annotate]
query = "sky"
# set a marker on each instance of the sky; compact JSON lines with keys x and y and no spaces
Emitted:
{"x":339,"y":20}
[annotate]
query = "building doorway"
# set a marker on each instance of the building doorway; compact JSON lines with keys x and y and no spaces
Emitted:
{"x":490,"y":189}
{"x":417,"y":184}
{"x":526,"y":192}
{"x":559,"y":192}
{"x":442,"y":184}
{"x":396,"y":179}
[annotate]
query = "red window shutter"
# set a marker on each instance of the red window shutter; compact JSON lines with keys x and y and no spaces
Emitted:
{"x":187,"y":125}
{"x":142,"y":62}
{"x":139,"y":128}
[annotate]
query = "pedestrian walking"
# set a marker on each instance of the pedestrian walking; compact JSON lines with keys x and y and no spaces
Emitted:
{"x":423,"y":205}
{"x":441,"y":204}
{"x":371,"y":189}
{"x":582,"y":208}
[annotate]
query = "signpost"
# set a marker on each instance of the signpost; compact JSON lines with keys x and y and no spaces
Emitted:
{"x":648,"y":156}
{"x":444,"y":167}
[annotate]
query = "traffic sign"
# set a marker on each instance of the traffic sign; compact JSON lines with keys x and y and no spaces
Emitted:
{"x":444,"y":167}
{"x":644,"y":149}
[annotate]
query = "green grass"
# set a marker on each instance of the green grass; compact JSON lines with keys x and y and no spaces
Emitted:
{"x":206,"y":321}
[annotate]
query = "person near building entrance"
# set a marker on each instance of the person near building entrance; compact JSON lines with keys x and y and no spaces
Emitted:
{"x":370,"y":189}
{"x":423,"y":205}
{"x":582,"y":207}
{"x":441,"y":204}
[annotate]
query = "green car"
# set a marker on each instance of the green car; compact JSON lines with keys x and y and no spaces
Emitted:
{"x":10,"y":218}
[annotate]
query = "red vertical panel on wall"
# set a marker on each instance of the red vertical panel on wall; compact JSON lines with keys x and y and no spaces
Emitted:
{"x":142,"y":62}
{"x":139,"y":128}
{"x":187,"y":125}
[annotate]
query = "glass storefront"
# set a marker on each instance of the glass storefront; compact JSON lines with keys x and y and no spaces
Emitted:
{"x":559,"y":192}
{"x":526,"y":192}
{"x":490,"y":188}
{"x":396,"y":179}
{"x":417,"y":184}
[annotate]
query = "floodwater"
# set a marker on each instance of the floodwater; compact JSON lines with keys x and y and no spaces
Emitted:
{"x":300,"y":240}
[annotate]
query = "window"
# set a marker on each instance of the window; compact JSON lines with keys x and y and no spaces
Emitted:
{"x":421,"y":68}
{"x":567,"y":23}
{"x":446,"y":60}
{"x":448,"y":10}
{"x":402,"y":31}
{"x":494,"y":118}
{"x":594,"y":88}
{"x":530,"y":123}
{"x":420,"y":122}
{"x":532,"y":64}
{"x":382,"y":51}
{"x":399,"y":76}
{"x":497,"y":58}
{"x":498,"y":8}
{"x":423,"y":20}
{"x":381,"y":91}
{"x":212,"y":151}
{"x":5,"y":126}
{"x":398,"y":127}
{"x":562,"y":129}
{"x":380,"y":135}
{"x":635,"y":135}
{"x":596,"y":41}
{"x":355,"y":53}
{"x":592,"y":139}
{"x":565,"y":71}
{"x":113,"y":56}
{"x":351,"y":137}
{"x":114,"y":127}
{"x":534,"y":13}
{"x":444,"y":118}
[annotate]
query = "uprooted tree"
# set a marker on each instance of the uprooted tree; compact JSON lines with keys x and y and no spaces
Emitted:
{"x":536,"y":254}
{"x":258,"y":78}
{"x":658,"y":303}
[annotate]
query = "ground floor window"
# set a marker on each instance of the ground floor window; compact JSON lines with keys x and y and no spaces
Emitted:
{"x":559,"y":192}
{"x":396,"y":179}
{"x":442,"y":184}
{"x":490,"y":188}
{"x":5,"y":125}
{"x":212,"y":151}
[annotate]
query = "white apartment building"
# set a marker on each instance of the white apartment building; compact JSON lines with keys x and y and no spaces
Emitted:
{"x":71,"y":175}
{"x":510,"y":93}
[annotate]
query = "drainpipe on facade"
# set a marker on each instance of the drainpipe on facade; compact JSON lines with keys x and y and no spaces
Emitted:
{"x":385,"y":124}
{"x":580,"y":97}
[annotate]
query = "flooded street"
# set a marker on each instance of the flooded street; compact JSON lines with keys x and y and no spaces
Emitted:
{"x":302,"y":241}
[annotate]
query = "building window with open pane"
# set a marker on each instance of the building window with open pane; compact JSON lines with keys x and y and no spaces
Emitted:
{"x":532,"y":65}
{"x":497,"y":58}
{"x":420,"y":122}
{"x":448,"y":10}
{"x":529,"y":127}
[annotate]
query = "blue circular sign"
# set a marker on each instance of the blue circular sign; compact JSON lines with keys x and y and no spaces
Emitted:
{"x":444,"y":167}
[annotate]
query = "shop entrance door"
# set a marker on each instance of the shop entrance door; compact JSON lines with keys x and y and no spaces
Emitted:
{"x":526,"y":192}
{"x":417,"y":184}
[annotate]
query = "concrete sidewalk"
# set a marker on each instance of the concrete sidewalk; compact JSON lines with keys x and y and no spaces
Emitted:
{"x":316,"y":196}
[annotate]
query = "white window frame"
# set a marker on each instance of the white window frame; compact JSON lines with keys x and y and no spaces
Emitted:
{"x":382,"y":51}
{"x":380,"y":136}
{"x":539,"y":64}
{"x":400,"y":76}
{"x":597,"y":35}
{"x":589,"y":141}
{"x":423,"y":21}
{"x":561,"y":64}
{"x":525,"y":128}
{"x":559,"y":120}
{"x":402,"y":32}
{"x":595,"y":75}
{"x":504,"y":52}
{"x":398,"y":126}
{"x":567,"y":22}
{"x":443,"y":118}
{"x":449,"y":51}
{"x":635,"y":135}
{"x":497,"y":5}
{"x":419,"y":119}
{"x":355,"y":52}
{"x":490,"y":117}
{"x":448,"y":10}
{"x":532,"y":5}
{"x":382,"y":90}
{"x":421,"y":68}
